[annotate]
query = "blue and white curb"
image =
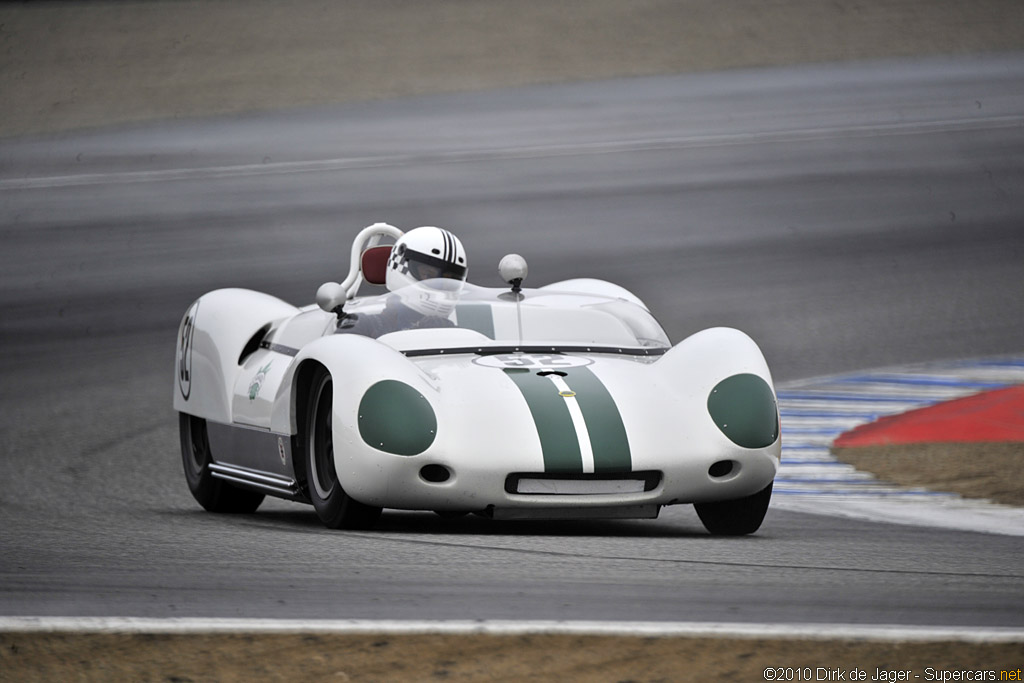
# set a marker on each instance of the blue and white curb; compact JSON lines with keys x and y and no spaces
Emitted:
{"x":815,"y":412}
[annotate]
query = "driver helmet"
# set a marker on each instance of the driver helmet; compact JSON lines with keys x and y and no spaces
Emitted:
{"x":434,"y":259}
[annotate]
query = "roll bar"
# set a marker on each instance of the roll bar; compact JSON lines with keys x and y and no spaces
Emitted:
{"x":331,"y":296}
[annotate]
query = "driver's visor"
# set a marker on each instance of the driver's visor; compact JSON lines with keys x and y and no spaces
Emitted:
{"x":424,"y":267}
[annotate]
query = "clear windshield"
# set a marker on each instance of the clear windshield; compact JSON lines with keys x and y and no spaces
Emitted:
{"x":434,"y":314}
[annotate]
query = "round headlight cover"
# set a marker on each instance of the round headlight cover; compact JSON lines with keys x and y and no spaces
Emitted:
{"x":397,"y":419}
{"x":744,"y":408}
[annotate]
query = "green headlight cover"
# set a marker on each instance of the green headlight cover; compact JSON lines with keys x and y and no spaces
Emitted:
{"x":395,"y":418}
{"x":743,"y":407}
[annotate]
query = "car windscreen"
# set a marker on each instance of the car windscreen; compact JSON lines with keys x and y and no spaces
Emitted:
{"x":501,"y":318}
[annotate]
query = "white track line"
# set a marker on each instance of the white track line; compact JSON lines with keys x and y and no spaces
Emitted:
{"x":880,"y":632}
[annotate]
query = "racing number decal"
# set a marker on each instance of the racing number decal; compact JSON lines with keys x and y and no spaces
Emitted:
{"x":515,"y":360}
{"x":185,"y":334}
{"x":532,"y":361}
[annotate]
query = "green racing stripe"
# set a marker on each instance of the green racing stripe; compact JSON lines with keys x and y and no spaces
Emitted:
{"x":607,"y":432}
{"x":477,"y":317}
{"x":560,"y":441}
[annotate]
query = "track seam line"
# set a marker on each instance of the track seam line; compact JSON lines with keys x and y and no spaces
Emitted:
{"x":524,"y":152}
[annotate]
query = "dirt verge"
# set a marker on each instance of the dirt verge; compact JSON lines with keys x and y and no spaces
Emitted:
{"x":383,"y":657}
{"x":974,"y":470}
{"x":70,"y":64}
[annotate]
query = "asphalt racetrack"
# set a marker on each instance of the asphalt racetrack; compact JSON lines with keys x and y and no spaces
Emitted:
{"x":846,"y":217}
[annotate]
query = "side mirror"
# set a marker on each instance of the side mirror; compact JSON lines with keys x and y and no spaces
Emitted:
{"x":512,"y":269}
{"x":330,"y":296}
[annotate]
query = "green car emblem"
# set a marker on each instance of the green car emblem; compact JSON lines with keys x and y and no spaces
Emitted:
{"x":257,"y":381}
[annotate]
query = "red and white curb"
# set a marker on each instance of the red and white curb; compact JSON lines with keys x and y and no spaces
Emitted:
{"x":815,"y":412}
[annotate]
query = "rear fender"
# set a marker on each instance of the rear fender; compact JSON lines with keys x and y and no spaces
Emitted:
{"x":211,"y":337}
{"x":596,"y":287}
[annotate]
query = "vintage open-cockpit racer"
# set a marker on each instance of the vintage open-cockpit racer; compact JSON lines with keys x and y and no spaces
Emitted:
{"x":561,"y":402}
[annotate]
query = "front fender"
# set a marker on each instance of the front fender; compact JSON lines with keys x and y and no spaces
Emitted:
{"x":355,"y":363}
{"x":378,"y":395}
{"x":704,"y":359}
{"x":720,"y":378}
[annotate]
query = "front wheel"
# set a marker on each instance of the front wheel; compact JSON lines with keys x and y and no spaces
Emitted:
{"x":215,"y":495}
{"x":335,"y":508}
{"x":735,"y":517}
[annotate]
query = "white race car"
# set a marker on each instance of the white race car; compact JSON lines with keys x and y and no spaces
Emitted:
{"x":562,"y":402}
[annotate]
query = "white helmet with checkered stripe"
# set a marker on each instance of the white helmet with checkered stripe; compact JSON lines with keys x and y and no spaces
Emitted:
{"x":431,"y":255}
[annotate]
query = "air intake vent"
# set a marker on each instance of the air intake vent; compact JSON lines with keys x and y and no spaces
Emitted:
{"x":722,"y":468}
{"x":253,"y":344}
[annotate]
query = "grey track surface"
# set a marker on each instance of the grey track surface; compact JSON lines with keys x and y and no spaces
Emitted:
{"x":845,"y":216}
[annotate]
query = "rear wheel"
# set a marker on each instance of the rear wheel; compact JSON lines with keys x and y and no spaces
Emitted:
{"x":735,"y":517}
{"x":335,"y":508}
{"x":216,"y":495}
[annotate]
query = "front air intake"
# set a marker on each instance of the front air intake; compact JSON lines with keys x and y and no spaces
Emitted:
{"x":722,"y":468}
{"x":580,"y":484}
{"x":435,"y":474}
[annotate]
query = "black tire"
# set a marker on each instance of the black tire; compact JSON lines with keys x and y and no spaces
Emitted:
{"x":336,"y":509}
{"x":451,"y":514}
{"x":215,"y":495}
{"x":735,"y":517}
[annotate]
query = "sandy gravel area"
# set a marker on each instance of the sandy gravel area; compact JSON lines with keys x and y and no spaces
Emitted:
{"x":318,"y":657}
{"x":974,"y":470}
{"x":71,"y":64}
